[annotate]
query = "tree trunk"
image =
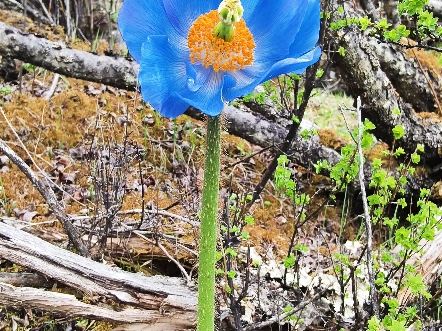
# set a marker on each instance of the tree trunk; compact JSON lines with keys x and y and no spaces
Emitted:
{"x":387,"y":80}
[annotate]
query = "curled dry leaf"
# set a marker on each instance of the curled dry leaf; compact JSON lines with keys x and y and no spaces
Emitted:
{"x":25,"y":214}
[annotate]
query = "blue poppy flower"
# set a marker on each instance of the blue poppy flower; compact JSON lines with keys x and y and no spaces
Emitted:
{"x":178,"y":70}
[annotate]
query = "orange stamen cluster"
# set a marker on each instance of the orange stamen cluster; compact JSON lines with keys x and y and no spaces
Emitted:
{"x":216,"y":52}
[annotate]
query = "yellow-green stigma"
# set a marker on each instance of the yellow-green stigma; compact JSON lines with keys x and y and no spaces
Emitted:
{"x":224,"y":31}
{"x":228,"y":46}
{"x":230,"y":12}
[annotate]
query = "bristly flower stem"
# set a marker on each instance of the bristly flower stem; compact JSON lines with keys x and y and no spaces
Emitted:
{"x":209,"y":214}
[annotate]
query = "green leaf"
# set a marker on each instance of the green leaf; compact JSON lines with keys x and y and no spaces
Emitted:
{"x":415,"y":158}
{"x":289,"y":261}
{"x":376,"y":163}
{"x":402,"y":202}
{"x":399,"y":151}
{"x":231,"y":252}
{"x":402,"y":237}
{"x":397,"y":326}
{"x":427,"y":21}
{"x":248,"y":219}
{"x":364,"y":22}
{"x":424,"y":193}
{"x":367,"y":140}
{"x":319,"y":73}
{"x":323,"y":164}
{"x":341,"y":51}
{"x":393,"y":304}
{"x":301,"y":248}
{"x":411,"y":7}
{"x":287,"y":309}
{"x":234,"y":229}
{"x":398,"y":132}
{"x":374,"y":324}
{"x":416,"y":284}
{"x":386,"y":258}
{"x":383,"y":24}
{"x":368,"y":125}
{"x":283,"y":160}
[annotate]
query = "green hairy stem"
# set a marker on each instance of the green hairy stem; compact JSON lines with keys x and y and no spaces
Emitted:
{"x":209,"y":214}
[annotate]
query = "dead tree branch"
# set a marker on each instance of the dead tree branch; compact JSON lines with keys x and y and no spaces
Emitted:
{"x":160,"y":297}
{"x":117,"y":72}
{"x":50,"y":198}
{"x":68,"y":305}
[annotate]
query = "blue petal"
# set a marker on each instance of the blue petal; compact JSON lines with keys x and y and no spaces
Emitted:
{"x":249,"y":7}
{"x":171,"y":84}
{"x":272,"y":59}
{"x":163,"y":75}
{"x":295,"y":65}
{"x":182,"y":14}
{"x":173,"y":107}
{"x":274,"y":24}
{"x":308,"y":34}
{"x":208,"y":98}
{"x":139,"y":19}
{"x":155,"y":31}
{"x":248,"y":78}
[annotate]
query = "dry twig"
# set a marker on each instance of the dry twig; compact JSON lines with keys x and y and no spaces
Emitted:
{"x":366,"y":214}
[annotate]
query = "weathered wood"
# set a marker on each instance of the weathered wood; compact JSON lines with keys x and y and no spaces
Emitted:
{"x":118,"y":72}
{"x":25,"y":279}
{"x":427,"y":263}
{"x":436,"y":7}
{"x":68,"y":305}
{"x":157,"y":295}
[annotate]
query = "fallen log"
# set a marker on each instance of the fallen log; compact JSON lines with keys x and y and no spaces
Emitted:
{"x":160,"y":298}
{"x":18,"y":279}
{"x":68,"y":305}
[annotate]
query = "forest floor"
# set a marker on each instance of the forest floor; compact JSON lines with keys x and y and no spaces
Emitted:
{"x":103,"y":147}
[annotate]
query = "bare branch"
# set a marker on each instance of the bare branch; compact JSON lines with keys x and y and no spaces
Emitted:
{"x":50,"y":198}
{"x":367,"y":218}
{"x":56,"y":57}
